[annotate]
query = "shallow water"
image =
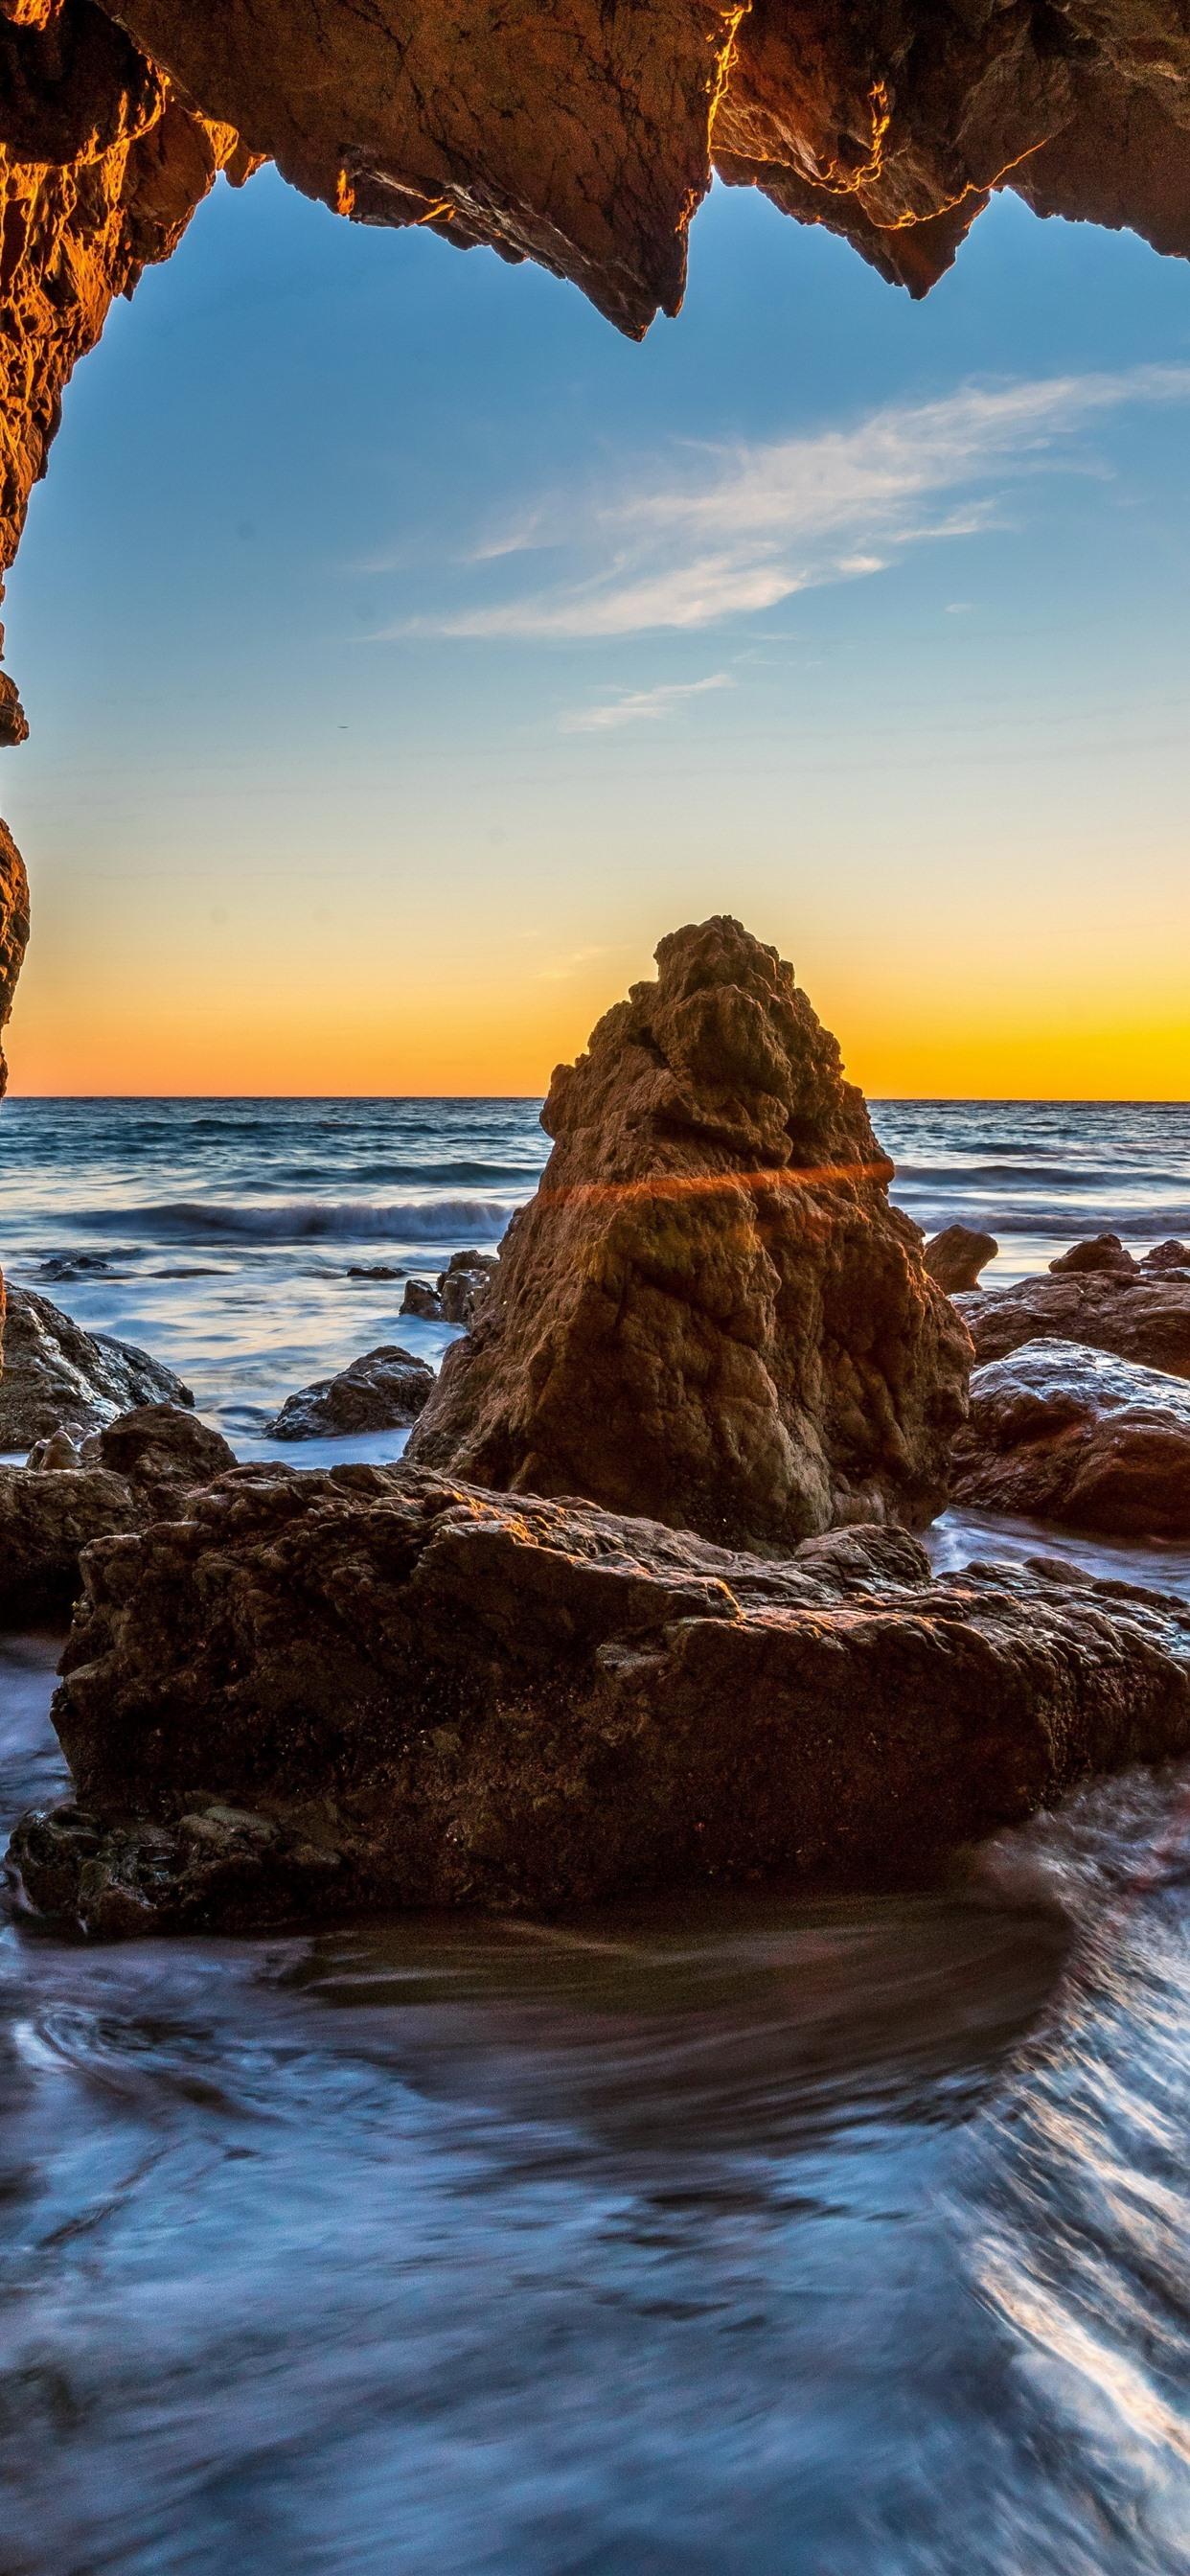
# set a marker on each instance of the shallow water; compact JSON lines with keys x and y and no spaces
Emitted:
{"x":729,"y":2236}
{"x":735,"y":2237}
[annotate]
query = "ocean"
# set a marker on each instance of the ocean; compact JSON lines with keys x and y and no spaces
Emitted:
{"x":739,"y":2236}
{"x":230,"y":1229}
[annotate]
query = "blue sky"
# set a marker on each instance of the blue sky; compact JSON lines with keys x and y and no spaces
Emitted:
{"x":405,"y":653}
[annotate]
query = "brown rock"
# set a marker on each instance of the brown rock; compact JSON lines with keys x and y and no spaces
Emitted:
{"x":56,"y":1377}
{"x":384,"y":1390}
{"x":375,"y":1688}
{"x":463,"y":1285}
{"x":1143,"y":1317}
{"x":1096,"y":1252}
{"x":1059,"y":1432}
{"x":1171,"y":1255}
{"x":710,"y":1313}
{"x":955,"y":1257}
{"x":125,"y":1475}
{"x":422,"y":1301}
{"x":14,"y":935}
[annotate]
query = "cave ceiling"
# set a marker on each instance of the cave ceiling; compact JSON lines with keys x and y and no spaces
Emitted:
{"x":582,"y":134}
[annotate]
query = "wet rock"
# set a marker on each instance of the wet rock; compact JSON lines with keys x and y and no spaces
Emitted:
{"x":1171,"y":1255}
{"x":462,"y":1285}
{"x":137,"y":1467}
{"x":56,"y":1377}
{"x":1096,"y":1252}
{"x":955,"y":1257}
{"x":374,"y":1270}
{"x":422,"y":1301}
{"x":383,"y":1391}
{"x":414,"y":1693}
{"x":710,"y":1313}
{"x":75,"y":1265}
{"x":1063,"y":1433}
{"x":1142,"y":1316}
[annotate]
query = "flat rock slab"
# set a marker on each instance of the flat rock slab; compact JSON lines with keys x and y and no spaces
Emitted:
{"x":56,"y":1377}
{"x":377,"y":1688}
{"x":1061,"y":1432}
{"x":1142,"y":1316}
{"x":383,"y":1391}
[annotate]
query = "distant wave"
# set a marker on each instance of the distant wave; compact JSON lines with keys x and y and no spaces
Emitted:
{"x":311,"y":1220}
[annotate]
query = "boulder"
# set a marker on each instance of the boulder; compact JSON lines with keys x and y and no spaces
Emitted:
{"x":454,"y":1298}
{"x":1143,"y":1317}
{"x":56,"y":1377}
{"x":1096,"y":1252}
{"x":1171,"y":1255}
{"x":710,"y":1313}
{"x":1060,"y":1432}
{"x":383,"y":1391}
{"x":376,"y":1688}
{"x":955,"y":1257}
{"x":462,"y":1285}
{"x":423,"y":1301}
{"x":136,"y":1468}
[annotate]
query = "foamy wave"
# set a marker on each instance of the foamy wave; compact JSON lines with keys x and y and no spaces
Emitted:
{"x":443,"y":1220}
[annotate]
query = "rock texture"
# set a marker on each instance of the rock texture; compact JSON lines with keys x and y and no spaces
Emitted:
{"x":1059,"y":1432}
{"x":1103,"y":1252}
{"x":463,"y":1285}
{"x":376,"y":1688}
{"x":457,"y":1292}
{"x":710,"y":1313}
{"x":124,"y":1476}
{"x":1144,"y":1317}
{"x":383,"y":1391}
{"x":14,"y":924}
{"x":101,"y":167}
{"x":955,"y":1257}
{"x":56,"y":1377}
{"x":1171,"y":1255}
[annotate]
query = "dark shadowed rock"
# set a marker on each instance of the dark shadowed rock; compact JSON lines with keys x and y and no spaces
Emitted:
{"x":710,"y":1313}
{"x":456,"y":1293}
{"x":75,"y":1265}
{"x":56,"y":1377}
{"x":1171,"y":1255}
{"x":372,"y":1687}
{"x":463,"y":1283}
{"x":955,"y":1257}
{"x":1143,"y":1317}
{"x":422,"y":1301}
{"x":383,"y":1391}
{"x":160,"y":1447}
{"x":137,"y":1467}
{"x":1096,"y":1252}
{"x":1059,"y":1432}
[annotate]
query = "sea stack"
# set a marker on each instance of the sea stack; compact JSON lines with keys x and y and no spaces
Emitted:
{"x":710,"y":1314}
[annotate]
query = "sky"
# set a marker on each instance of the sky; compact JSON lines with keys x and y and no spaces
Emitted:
{"x":406,"y":653}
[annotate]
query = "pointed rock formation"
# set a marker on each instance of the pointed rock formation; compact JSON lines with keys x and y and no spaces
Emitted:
{"x":710,"y":1313}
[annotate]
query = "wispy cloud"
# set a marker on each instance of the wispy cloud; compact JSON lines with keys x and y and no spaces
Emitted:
{"x":733,"y":530}
{"x":641,"y":706}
